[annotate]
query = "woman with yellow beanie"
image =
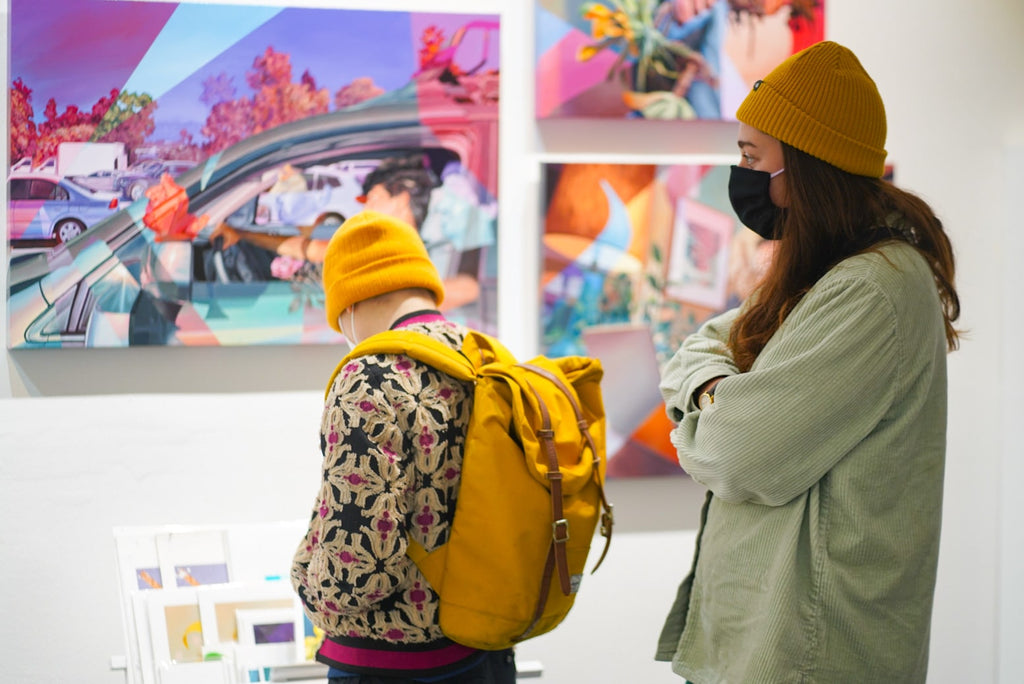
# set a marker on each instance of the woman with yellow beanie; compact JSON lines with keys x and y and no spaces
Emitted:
{"x":391,"y":434}
{"x":815,"y":414}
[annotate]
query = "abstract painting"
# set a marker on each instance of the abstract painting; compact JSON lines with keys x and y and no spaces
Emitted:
{"x":635,"y":258}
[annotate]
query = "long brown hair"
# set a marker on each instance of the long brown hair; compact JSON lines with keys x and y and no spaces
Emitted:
{"x":833,"y":214}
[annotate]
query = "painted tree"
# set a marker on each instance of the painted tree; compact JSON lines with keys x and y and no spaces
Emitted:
{"x":22,"y":127}
{"x":125,"y":117}
{"x":277,"y":99}
{"x":432,"y":40}
{"x":184,"y":147}
{"x":72,"y":125}
{"x":219,"y":88}
{"x":359,"y":90}
{"x":228,"y":122}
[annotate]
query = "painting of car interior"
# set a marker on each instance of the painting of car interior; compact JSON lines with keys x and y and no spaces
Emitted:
{"x":663,"y":59}
{"x":177,"y":169}
{"x":627,"y":276}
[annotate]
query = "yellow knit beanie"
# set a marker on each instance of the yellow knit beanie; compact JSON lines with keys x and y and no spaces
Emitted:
{"x":822,"y":102}
{"x":372,"y":254}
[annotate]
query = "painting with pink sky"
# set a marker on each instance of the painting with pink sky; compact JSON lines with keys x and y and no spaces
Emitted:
{"x":67,"y":57}
{"x":177,"y":169}
{"x":663,"y":59}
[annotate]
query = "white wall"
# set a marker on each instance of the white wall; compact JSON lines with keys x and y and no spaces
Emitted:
{"x":242,"y":446}
{"x":1010,"y":553}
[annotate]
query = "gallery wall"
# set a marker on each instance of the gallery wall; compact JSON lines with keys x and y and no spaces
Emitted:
{"x":91,"y":439}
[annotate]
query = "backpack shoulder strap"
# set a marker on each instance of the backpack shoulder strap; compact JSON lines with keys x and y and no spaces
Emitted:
{"x":415,"y":345}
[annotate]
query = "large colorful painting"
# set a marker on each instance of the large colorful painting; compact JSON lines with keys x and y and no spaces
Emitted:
{"x":663,"y":59}
{"x":177,"y":169}
{"x":636,"y":257}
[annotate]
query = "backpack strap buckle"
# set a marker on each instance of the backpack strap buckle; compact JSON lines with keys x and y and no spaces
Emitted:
{"x":607,"y":520}
{"x":560,"y":531}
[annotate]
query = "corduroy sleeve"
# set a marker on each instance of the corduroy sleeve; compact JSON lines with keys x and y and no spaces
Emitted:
{"x":704,"y":355}
{"x":818,"y":388}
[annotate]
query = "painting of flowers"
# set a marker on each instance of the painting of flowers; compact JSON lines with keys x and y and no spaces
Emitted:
{"x":663,"y":59}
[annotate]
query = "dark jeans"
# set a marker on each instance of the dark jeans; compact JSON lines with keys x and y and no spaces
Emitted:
{"x":497,"y":667}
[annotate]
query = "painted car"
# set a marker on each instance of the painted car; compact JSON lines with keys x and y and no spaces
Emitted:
{"x":122,"y":283}
{"x":137,"y":178}
{"x":47,"y":208}
{"x":25,"y":166}
{"x":104,"y":180}
{"x":319,"y":200}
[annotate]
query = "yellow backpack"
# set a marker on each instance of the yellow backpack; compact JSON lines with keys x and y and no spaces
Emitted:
{"x":531,"y":490}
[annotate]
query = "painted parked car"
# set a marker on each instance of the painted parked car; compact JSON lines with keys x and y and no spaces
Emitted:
{"x":47,"y":208}
{"x":323,"y":197}
{"x":137,"y":178}
{"x":124,"y":283}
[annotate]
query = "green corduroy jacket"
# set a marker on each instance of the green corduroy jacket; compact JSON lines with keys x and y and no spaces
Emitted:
{"x":819,"y":539}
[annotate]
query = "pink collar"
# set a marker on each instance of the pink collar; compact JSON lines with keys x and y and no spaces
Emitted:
{"x":418,"y":317}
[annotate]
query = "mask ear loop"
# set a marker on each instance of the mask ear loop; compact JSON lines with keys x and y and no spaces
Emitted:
{"x":352,"y":324}
{"x":773,"y":175}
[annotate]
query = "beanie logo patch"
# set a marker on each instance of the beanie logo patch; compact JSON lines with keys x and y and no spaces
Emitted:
{"x":757,"y":84}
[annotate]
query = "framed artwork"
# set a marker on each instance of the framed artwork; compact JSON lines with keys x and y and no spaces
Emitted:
{"x":175,"y":630}
{"x":269,"y":626}
{"x":663,"y":59}
{"x":635,"y":258}
{"x":218,"y":574}
{"x":177,"y":184}
{"x":176,"y":640}
{"x":268,"y":638}
{"x":219,"y":608}
{"x":193,"y":558}
{"x":698,"y":260}
{"x":154,"y":561}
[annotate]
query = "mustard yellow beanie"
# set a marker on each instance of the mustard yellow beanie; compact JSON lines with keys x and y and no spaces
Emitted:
{"x":822,"y":102}
{"x":372,"y":254}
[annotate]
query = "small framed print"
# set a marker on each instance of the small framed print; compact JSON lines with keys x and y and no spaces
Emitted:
{"x":175,"y":628}
{"x":268,"y":638}
{"x":193,"y":557}
{"x":220,"y":605}
{"x":698,"y":269}
{"x":269,"y":626}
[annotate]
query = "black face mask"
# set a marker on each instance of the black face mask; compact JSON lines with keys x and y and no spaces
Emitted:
{"x":748,"y":192}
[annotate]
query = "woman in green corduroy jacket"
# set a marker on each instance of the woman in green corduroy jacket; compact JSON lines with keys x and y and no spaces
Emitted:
{"x":815,"y":413}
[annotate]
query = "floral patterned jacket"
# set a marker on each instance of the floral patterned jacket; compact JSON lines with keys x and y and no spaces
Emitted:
{"x":392,"y":435}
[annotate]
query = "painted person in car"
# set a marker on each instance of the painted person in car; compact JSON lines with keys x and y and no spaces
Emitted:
{"x":815,"y":413}
{"x":400,"y":186}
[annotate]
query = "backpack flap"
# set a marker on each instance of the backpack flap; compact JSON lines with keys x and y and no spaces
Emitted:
{"x":544,"y":387}
{"x":578,"y":378}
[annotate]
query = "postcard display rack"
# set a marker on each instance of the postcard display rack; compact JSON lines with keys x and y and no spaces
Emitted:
{"x":212,"y":604}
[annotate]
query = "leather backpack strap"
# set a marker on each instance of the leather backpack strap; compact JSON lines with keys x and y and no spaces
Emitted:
{"x":559,"y":525}
{"x":545,"y":589}
{"x":556,"y":557}
{"x":607,"y":512}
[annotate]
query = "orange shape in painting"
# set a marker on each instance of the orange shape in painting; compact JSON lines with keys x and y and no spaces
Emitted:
{"x":167,"y":212}
{"x":653,"y":433}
